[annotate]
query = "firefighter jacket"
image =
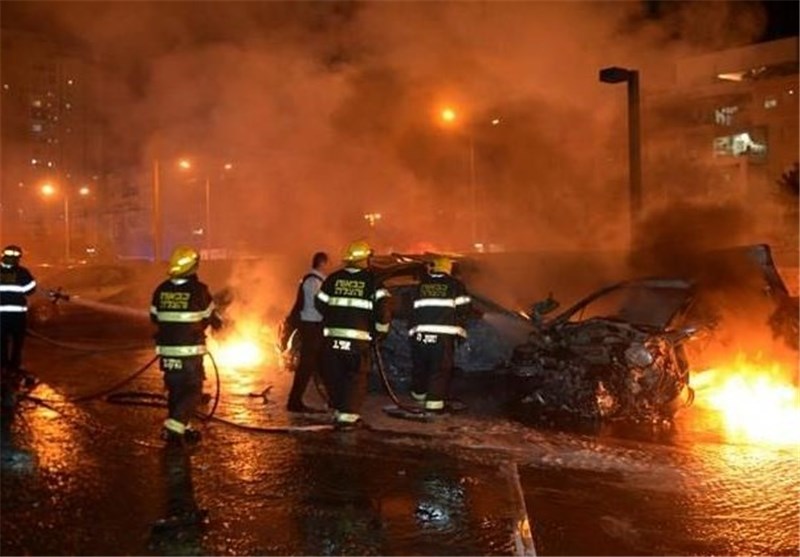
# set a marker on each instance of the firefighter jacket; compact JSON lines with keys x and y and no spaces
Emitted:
{"x":353,"y":305}
{"x":16,"y":284}
{"x":183,"y":308}
{"x":441,"y":306}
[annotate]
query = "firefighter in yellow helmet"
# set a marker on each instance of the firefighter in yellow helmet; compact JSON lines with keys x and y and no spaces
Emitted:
{"x":183,"y":308}
{"x":440,"y":308}
{"x":355,"y":313}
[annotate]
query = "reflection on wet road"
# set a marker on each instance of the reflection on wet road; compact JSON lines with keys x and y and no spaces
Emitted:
{"x":93,"y":478}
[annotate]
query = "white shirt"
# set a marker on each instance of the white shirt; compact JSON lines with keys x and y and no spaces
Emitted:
{"x":310,"y":288}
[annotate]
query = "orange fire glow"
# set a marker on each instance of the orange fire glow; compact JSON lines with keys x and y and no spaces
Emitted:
{"x":757,"y":401}
{"x":245,"y":347}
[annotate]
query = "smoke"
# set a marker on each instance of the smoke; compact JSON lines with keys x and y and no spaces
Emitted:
{"x":328,"y":111}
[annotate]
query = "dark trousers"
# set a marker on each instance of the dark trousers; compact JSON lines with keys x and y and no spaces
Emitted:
{"x":177,"y":468}
{"x":184,"y":387}
{"x":12,"y":337}
{"x":433,"y":358}
{"x":310,"y":361}
{"x":347,"y":371}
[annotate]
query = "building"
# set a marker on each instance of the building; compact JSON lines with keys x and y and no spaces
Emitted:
{"x":730,"y":115}
{"x":50,"y":135}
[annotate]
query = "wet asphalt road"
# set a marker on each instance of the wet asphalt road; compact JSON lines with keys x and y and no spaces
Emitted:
{"x":92,"y":477}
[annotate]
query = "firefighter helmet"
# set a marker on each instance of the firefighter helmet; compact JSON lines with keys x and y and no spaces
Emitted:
{"x":357,"y":251}
{"x":442,"y":264}
{"x":12,"y":254}
{"x":184,"y":261}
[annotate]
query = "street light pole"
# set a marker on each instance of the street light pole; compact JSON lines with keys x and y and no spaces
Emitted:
{"x":634,"y":146}
{"x":156,"y":212}
{"x":618,"y":75}
{"x":473,"y":186}
{"x":208,"y":215}
{"x":66,"y":228}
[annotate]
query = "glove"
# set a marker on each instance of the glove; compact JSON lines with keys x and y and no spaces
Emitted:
{"x":216,"y":321}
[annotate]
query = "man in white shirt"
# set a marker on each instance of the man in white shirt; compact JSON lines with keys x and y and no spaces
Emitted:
{"x":310,"y":332}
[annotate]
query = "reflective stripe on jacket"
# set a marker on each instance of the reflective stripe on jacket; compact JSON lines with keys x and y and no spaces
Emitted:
{"x":353,"y":305}
{"x":181,"y":351}
{"x":182,"y":308}
{"x":16,"y":284}
{"x":440,"y":306}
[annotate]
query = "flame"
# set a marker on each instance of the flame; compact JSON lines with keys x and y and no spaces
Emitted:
{"x":245,"y":347}
{"x":756,"y":401}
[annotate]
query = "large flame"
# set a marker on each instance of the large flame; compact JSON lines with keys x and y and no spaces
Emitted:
{"x":244,"y":347}
{"x":757,"y":401}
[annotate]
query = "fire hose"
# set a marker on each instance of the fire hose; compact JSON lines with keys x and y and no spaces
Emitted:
{"x":388,"y":386}
{"x":140,"y":398}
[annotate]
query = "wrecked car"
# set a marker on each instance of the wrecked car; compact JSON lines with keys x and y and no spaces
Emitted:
{"x":622,"y":352}
{"x":617,"y":353}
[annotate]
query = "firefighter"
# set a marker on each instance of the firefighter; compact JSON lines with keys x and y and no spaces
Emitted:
{"x":355,"y":313}
{"x":310,"y":331}
{"x":441,"y":306}
{"x":16,"y":284}
{"x":182,"y":308}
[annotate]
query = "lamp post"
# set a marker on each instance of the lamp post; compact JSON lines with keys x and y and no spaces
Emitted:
{"x":185,"y":165}
{"x":449,"y":116}
{"x":631,"y":77}
{"x":48,"y":190}
{"x":156,"y":213}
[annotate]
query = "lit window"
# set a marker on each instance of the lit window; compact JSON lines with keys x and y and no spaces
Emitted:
{"x":34,"y":162}
{"x":739,"y":144}
{"x":724,"y":115}
{"x":37,"y":103}
{"x":70,"y":82}
{"x":67,"y":105}
{"x":731,"y":76}
{"x":5,"y":87}
{"x":36,"y":127}
{"x":50,"y":164}
{"x":770,"y":102}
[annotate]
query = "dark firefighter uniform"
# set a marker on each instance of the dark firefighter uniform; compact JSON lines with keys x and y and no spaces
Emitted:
{"x":16,"y":284}
{"x":182,"y":308}
{"x":354,"y":312}
{"x":441,"y":305}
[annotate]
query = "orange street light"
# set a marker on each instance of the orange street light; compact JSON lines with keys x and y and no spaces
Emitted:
{"x":49,"y":190}
{"x":448,"y":115}
{"x":185,"y":164}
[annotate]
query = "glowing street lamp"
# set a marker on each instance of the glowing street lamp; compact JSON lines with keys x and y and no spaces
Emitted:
{"x":186,"y":164}
{"x":448,"y":117}
{"x":49,"y":190}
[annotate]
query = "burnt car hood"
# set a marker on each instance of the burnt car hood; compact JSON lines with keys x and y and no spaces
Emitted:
{"x":655,"y":304}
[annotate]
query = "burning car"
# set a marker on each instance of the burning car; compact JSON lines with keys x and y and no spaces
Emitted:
{"x":616,"y":353}
{"x":622,"y":352}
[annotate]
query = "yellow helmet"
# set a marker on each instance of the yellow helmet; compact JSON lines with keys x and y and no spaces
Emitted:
{"x":356,"y":252}
{"x":184,"y":261}
{"x":442,"y":264}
